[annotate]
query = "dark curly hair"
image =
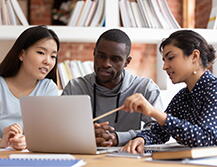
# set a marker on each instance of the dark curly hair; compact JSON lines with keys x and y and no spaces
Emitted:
{"x":116,"y":35}
{"x":187,"y":41}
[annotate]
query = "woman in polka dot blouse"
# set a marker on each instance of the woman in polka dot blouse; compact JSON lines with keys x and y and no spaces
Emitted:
{"x":191,"y":116}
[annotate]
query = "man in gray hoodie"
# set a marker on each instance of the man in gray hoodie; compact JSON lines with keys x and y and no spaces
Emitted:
{"x":109,"y":86}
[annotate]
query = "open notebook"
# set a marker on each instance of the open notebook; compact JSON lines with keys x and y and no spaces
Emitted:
{"x":60,"y":124}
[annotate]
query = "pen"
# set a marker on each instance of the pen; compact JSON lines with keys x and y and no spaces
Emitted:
{"x":108,"y":113}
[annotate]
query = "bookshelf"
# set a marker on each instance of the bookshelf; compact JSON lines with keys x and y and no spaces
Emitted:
{"x":90,"y":34}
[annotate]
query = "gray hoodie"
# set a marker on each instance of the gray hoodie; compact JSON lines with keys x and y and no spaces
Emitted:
{"x":127,"y":125}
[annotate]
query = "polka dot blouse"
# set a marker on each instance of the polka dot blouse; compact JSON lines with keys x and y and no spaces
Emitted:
{"x":191,"y":116}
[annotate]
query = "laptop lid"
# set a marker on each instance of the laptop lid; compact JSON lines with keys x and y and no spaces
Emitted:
{"x":58,"y":124}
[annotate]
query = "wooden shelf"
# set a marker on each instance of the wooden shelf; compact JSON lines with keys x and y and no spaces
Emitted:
{"x":91,"y":34}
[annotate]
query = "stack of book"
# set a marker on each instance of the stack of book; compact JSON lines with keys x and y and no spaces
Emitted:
{"x":73,"y":69}
{"x":204,"y":156}
{"x":185,"y":152}
{"x":87,"y":13}
{"x":11,"y":13}
{"x":147,"y":13}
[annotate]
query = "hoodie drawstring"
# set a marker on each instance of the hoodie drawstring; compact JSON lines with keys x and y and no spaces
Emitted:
{"x":117,"y":105}
{"x":94,"y":104}
{"x":94,"y":101}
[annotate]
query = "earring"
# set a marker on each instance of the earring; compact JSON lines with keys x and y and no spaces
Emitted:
{"x":194,"y":72}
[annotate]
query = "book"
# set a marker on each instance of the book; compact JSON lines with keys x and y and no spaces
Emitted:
{"x":143,"y":13}
{"x":74,"y":69}
{"x":81,"y":68}
{"x":212,"y":23}
{"x":168,"y":15}
{"x":88,"y":67}
{"x":186,"y":152}
{"x":159,"y":13}
{"x":63,"y":74}
{"x":128,"y":155}
{"x":76,"y":13}
{"x":136,"y":13}
{"x":19,"y":13}
{"x":211,"y":161}
{"x":151,"y":15}
{"x":85,"y":12}
{"x":163,"y":147}
{"x":124,"y":14}
{"x":4,"y":13}
{"x":156,"y":20}
{"x":99,"y":14}
{"x":11,"y":13}
{"x":130,"y":13}
{"x":67,"y":69}
{"x":41,"y":162}
{"x":111,"y":13}
{"x":199,"y":162}
{"x":91,"y":13}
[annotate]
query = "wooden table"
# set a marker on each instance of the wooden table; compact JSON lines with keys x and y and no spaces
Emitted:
{"x":105,"y":161}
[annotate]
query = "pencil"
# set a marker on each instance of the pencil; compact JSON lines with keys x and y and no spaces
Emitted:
{"x":108,"y":113}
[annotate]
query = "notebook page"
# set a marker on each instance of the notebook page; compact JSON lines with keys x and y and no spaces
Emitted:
{"x":12,"y":149}
{"x":42,"y":156}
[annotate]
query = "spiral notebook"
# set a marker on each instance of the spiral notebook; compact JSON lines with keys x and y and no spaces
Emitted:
{"x":42,"y":156}
{"x":40,"y":162}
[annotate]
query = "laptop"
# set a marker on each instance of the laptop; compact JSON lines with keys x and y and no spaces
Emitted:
{"x":60,"y":124}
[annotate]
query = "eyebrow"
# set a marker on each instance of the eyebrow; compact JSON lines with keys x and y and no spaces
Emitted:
{"x":101,"y":52}
{"x":40,"y":47}
{"x":166,"y":55}
{"x":98,"y":51}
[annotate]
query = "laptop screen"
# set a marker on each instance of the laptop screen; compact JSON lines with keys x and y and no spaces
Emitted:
{"x":58,"y":124}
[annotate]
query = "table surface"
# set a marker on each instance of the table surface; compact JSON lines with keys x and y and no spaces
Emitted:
{"x":107,"y":161}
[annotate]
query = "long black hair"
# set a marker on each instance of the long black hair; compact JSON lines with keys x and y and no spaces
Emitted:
{"x":11,"y":63}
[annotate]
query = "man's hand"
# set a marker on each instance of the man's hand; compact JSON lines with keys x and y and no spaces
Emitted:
{"x":135,"y":146}
{"x":105,"y":135}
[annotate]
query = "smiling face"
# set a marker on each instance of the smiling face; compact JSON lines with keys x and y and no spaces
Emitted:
{"x":110,"y":58}
{"x":39,"y":59}
{"x":178,"y":66}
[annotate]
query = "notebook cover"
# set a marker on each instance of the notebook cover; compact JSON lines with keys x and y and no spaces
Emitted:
{"x":40,"y":162}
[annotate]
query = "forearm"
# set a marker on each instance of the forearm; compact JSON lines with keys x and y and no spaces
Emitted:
{"x":160,"y":117}
{"x":188,"y":134}
{"x":124,"y":137}
{"x":156,"y":135}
